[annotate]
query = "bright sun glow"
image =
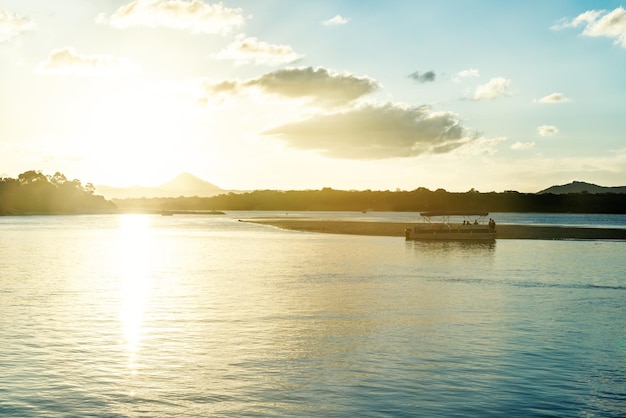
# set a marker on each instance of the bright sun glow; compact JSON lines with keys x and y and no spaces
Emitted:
{"x":136,"y":135}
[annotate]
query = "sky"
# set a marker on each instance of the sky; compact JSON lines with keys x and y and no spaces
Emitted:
{"x":295,"y":95}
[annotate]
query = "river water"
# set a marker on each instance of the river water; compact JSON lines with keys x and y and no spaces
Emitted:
{"x":199,"y":315}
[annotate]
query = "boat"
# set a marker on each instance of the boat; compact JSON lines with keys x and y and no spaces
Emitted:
{"x":453,"y":226}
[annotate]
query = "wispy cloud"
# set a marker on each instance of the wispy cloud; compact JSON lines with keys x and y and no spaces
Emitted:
{"x":66,"y":61}
{"x":246,"y":49}
{"x":426,"y":77}
{"x":596,"y":23}
{"x":494,"y":88}
{"x":319,"y":85}
{"x":336,"y":21}
{"x":553,"y":98}
{"x":377,"y":132}
{"x":547,"y":130}
{"x":11,"y":25}
{"x":194,"y":15}
{"x":520,"y":146}
{"x":471,"y":72}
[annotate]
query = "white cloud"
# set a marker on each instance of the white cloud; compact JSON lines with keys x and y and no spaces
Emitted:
{"x":319,"y":85}
{"x":66,"y":61}
{"x":547,"y":130}
{"x":600,"y":23}
{"x":194,"y":15}
{"x":11,"y":25}
{"x":553,"y":98}
{"x":585,"y":18}
{"x":377,"y":132}
{"x":518,"y":146}
{"x":244,"y":50}
{"x":466,"y":74}
{"x":496,"y":87}
{"x":336,"y":21}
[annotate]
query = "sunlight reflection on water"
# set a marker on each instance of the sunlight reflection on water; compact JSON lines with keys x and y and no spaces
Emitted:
{"x":134,"y":247}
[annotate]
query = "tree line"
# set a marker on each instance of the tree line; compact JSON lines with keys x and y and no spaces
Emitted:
{"x":34,"y":192}
{"x":421,"y":199}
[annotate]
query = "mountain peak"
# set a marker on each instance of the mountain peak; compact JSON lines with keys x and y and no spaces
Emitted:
{"x":582,"y":187}
{"x":186,"y":181}
{"x":184,"y":184}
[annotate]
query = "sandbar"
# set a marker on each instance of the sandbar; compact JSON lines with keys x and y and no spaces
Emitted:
{"x":396,"y":229}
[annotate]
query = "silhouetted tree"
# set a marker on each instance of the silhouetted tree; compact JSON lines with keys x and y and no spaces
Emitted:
{"x":34,"y":192}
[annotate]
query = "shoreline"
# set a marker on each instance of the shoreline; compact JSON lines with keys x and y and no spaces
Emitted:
{"x":396,"y":229}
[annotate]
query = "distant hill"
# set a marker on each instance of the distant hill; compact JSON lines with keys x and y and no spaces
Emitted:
{"x":582,"y":187}
{"x":185,"y":184}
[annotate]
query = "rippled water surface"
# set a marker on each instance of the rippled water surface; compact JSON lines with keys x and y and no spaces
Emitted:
{"x":143,"y":315}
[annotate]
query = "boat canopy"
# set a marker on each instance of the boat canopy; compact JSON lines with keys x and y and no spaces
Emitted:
{"x":453,"y":213}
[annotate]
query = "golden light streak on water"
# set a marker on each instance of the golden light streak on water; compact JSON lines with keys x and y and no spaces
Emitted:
{"x":135,"y":282}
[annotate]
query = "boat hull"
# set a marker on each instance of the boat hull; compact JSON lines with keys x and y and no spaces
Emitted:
{"x":443,"y":234}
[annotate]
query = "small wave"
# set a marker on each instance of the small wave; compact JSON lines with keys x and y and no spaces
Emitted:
{"x":529,"y":284}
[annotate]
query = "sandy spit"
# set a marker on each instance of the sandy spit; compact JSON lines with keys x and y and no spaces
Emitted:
{"x":396,"y":229}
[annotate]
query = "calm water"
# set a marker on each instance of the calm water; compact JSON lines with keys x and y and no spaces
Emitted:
{"x":579,"y":219}
{"x":149,"y":316}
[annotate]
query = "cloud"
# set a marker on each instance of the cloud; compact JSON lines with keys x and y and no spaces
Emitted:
{"x":600,"y":23}
{"x":553,"y":98}
{"x":319,"y":85}
{"x":66,"y":61}
{"x":465,"y":74}
{"x":195,"y":16}
{"x":12,"y":25}
{"x":335,"y":21}
{"x":547,"y":130}
{"x":244,"y":50}
{"x":519,"y":146}
{"x":496,"y":87}
{"x":424,"y":77}
{"x":376,"y":132}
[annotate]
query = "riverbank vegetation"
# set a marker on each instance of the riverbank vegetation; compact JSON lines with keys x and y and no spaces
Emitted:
{"x":32,"y":192}
{"x":421,"y":199}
